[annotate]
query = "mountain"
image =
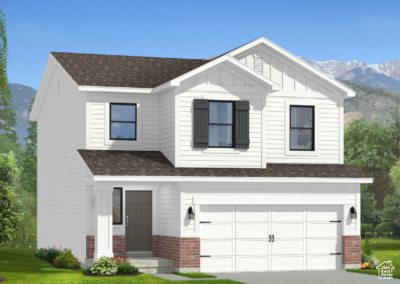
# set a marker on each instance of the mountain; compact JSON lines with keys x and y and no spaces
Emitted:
{"x":22,"y":97}
{"x":382,"y":75}
{"x":369,"y":102}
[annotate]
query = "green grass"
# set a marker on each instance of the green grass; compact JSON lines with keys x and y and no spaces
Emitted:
{"x":22,"y":266}
{"x":383,"y":249}
{"x":195,"y":275}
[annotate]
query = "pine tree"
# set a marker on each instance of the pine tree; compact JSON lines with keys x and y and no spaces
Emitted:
{"x":5,"y":92}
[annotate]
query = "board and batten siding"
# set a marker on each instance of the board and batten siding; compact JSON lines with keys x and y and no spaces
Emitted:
{"x":167,"y":125}
{"x":194,"y":194}
{"x":61,"y":195}
{"x":148,"y":120}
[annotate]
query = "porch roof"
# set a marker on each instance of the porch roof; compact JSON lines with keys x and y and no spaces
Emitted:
{"x":154,"y":163}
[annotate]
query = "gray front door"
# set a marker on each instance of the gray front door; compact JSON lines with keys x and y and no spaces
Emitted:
{"x":138,"y":217}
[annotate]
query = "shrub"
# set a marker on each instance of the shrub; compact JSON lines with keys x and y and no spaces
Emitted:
{"x":369,"y":234}
{"x":367,"y":247}
{"x":387,"y":229}
{"x":104,"y":266}
{"x":87,"y":271}
{"x":366,"y":228}
{"x":66,"y":260}
{"x":41,"y":253}
{"x":126,"y":268}
{"x":52,"y":253}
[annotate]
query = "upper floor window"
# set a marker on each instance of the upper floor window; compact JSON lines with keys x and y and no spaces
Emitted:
{"x":123,"y":120}
{"x":220,"y":124}
{"x":302,"y":128}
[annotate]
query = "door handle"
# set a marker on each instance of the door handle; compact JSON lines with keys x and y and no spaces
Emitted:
{"x":269,"y":238}
{"x":273,"y":238}
{"x":126,"y":220}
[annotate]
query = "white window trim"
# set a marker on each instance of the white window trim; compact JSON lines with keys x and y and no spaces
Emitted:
{"x":289,"y":152}
{"x":110,"y":142}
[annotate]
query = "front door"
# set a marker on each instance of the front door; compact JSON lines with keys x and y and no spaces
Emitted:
{"x":138,"y":221}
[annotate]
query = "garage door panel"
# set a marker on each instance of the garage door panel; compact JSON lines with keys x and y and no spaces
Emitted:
{"x":289,"y":229}
{"x":217,"y":247}
{"x":217,"y":213}
{"x":253,"y":213}
{"x":252,"y":230}
{"x":323,"y":230}
{"x":283,"y":247}
{"x":323,"y":213}
{"x":218,"y":264}
{"x":288,"y":213}
{"x":322,"y":262}
{"x":252,"y":247}
{"x":323,"y":246}
{"x":252,"y":263}
{"x":288,"y":262}
{"x":218,"y":230}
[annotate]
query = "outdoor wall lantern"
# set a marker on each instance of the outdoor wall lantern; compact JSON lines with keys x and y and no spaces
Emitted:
{"x":191,"y":213}
{"x":353,"y":212}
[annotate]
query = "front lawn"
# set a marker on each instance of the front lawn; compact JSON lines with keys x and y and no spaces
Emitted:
{"x":194,"y":275}
{"x":383,"y":249}
{"x":22,"y":266}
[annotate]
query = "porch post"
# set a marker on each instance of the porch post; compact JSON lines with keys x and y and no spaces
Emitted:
{"x":103,"y":222}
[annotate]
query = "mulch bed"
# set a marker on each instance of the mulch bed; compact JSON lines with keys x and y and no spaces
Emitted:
{"x":53,"y":263}
{"x":112,"y":275}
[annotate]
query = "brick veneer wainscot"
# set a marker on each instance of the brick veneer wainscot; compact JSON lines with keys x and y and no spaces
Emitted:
{"x":119,"y":246}
{"x":351,"y":250}
{"x":185,"y":252}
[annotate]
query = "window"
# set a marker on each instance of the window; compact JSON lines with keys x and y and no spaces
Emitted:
{"x":117,"y":206}
{"x":302,"y":128}
{"x":123,"y":121}
{"x":220,"y":125}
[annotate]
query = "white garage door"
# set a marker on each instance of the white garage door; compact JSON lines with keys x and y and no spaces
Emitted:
{"x":262,"y":238}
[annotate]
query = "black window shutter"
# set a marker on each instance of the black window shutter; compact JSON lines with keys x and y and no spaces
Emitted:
{"x":242,"y":127}
{"x":200,"y":124}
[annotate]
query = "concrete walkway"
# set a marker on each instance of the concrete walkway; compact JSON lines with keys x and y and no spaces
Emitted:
{"x":304,"y":277}
{"x":174,"y":277}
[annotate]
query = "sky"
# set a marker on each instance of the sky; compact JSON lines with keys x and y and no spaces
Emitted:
{"x":366,"y":30}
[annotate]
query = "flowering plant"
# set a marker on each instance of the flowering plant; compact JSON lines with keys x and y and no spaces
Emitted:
{"x":118,"y":260}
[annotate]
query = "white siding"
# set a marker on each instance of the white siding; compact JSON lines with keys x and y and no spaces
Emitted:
{"x":61,"y":172}
{"x":167,"y":125}
{"x":269,"y":194}
{"x":169,"y":211}
{"x":147,"y":121}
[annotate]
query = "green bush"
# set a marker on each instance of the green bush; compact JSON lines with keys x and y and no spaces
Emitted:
{"x":126,"y":268}
{"x":41,"y":253}
{"x":366,"y":228}
{"x":52,"y":253}
{"x":369,"y":234}
{"x":104,"y":266}
{"x":66,"y":260}
{"x":367,"y":247}
{"x":387,"y":229}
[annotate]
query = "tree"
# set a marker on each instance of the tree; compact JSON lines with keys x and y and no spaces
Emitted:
{"x":29,"y":158}
{"x":368,"y":146}
{"x":4,"y":87}
{"x":10,"y":206}
{"x":8,"y":122}
{"x":391,"y":210}
{"x":395,"y":129}
{"x":7,"y":145}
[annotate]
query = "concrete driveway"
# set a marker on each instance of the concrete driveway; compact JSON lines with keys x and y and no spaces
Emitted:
{"x":306,"y":277}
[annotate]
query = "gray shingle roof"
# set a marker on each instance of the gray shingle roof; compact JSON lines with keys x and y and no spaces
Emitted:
{"x":154,"y":163}
{"x":124,"y":71}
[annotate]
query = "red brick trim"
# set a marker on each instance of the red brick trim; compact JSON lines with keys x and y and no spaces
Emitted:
{"x":185,"y":252}
{"x":119,"y":246}
{"x":351,"y":250}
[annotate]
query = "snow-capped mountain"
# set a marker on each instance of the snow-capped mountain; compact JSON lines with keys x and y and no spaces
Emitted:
{"x":382,"y":75}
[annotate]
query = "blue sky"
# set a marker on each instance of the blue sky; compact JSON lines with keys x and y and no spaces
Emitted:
{"x":341,"y":30}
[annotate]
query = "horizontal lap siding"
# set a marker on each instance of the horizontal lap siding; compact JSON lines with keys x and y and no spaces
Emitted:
{"x":148,"y":121}
{"x":167,"y":125}
{"x":168,"y":212}
{"x":197,"y":157}
{"x":61,"y":172}
{"x":328,"y":140}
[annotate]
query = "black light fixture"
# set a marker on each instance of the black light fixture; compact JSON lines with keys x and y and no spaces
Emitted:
{"x":353,"y":212}
{"x":191,"y":213}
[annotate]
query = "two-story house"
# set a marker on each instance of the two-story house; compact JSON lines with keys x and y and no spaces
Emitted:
{"x":229,"y":164}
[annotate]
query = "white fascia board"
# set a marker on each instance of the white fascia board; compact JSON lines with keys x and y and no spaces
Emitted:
{"x":349,"y":93}
{"x":115,"y":89}
{"x":230,"y":179}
